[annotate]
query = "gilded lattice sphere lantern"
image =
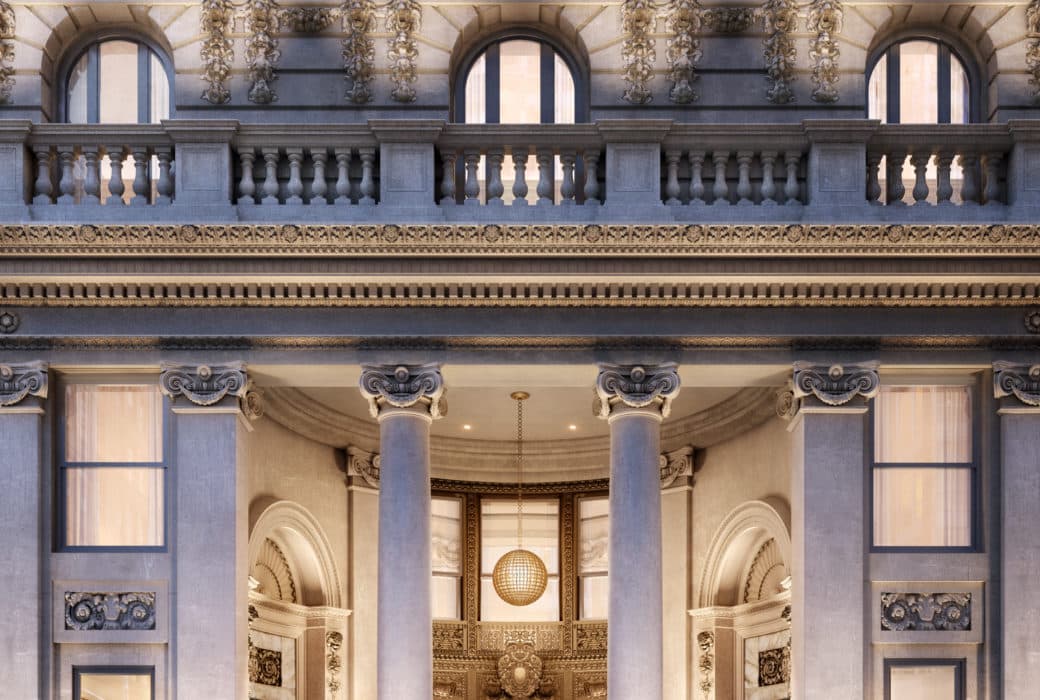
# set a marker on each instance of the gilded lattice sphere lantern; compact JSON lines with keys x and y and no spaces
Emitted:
{"x":520,"y":577}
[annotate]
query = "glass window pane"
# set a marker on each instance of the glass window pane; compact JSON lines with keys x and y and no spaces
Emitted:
{"x":114,"y":506}
{"x":494,"y":609}
{"x":476,"y":92}
{"x":113,"y":423}
{"x":918,"y":82}
{"x":958,"y":92}
{"x":925,"y":507}
{"x":445,"y":598}
{"x":930,"y":424}
{"x":159,"y":107}
{"x":923,"y":682}
{"x":520,"y":99}
{"x":595,"y":592}
{"x":446,"y":526}
{"x":111,"y":686}
{"x":877,"y":91}
{"x":564,"y":92}
{"x":594,"y":531}
{"x":118,"y":72}
{"x":498,"y":534}
{"x":77,"y":92}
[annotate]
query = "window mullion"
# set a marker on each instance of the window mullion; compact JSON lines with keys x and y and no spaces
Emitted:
{"x":493,"y":85}
{"x":943,"y":84}
{"x":94,"y":84}
{"x":892,"y":114}
{"x":547,"y":70}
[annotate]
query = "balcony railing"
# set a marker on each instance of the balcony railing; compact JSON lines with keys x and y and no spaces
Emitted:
{"x":614,"y":170}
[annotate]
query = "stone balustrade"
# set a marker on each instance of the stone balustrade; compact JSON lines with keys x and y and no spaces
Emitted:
{"x":424,"y":171}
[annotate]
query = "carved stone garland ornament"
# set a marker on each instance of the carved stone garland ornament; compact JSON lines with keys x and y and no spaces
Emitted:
{"x":836,"y":385}
{"x":17,"y":381}
{"x":333,"y":663}
{"x":825,"y":18}
{"x":403,"y":20}
{"x":684,"y":49}
{"x":7,"y":32}
{"x":359,"y":52}
{"x":1033,"y":49}
{"x":638,"y":51}
{"x":217,"y":49}
{"x":262,"y":51}
{"x":780,"y":18}
{"x":706,"y":664}
{"x":1020,"y":381}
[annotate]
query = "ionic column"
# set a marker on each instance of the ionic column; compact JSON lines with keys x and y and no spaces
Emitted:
{"x":405,"y":400}
{"x":23,"y":389}
{"x":1017,"y":387}
{"x":634,"y":400}
{"x":211,"y":532}
{"x":828,"y":472}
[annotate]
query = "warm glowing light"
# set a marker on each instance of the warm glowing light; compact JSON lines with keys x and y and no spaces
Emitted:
{"x":572,"y":427}
{"x":467,"y":426}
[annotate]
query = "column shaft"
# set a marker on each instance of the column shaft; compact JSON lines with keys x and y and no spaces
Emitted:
{"x":405,"y":666}
{"x":634,"y":650}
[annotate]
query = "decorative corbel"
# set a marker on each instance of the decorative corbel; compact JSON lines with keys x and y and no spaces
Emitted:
{"x":217,"y":49}
{"x":825,"y":18}
{"x":7,"y":33}
{"x":363,"y":464}
{"x":684,"y":49}
{"x":262,"y":51}
{"x":359,"y":51}
{"x":675,"y":464}
{"x":836,"y":385}
{"x":1033,"y":49}
{"x":780,"y":18}
{"x":403,"y":20}
{"x":18,"y":381}
{"x":1020,"y":381}
{"x":638,"y":50}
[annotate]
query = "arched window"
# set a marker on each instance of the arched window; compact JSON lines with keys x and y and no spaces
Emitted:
{"x":117,"y":81}
{"x":919,"y":81}
{"x":519,"y":80}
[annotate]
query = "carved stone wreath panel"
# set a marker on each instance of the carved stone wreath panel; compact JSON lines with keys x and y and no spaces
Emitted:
{"x":926,"y":612}
{"x":86,"y":612}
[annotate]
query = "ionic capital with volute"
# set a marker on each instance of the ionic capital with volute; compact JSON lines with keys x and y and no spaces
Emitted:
{"x":1017,"y":380}
{"x":836,"y":385}
{"x":207,"y":385}
{"x":636,"y":386}
{"x":18,"y":381}
{"x":404,"y":386}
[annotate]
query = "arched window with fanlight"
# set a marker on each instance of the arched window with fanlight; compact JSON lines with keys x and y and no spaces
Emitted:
{"x":920,"y":81}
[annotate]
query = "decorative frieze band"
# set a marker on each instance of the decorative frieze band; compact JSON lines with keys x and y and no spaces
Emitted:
{"x":636,"y":386}
{"x":7,"y":33}
{"x":204,"y":385}
{"x":836,"y":385}
{"x":1020,"y":381}
{"x":18,"y":381}
{"x":404,"y":386}
{"x":86,"y":612}
{"x":925,"y":612}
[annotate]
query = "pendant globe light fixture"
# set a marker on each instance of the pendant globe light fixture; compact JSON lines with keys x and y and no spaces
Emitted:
{"x":519,"y":576}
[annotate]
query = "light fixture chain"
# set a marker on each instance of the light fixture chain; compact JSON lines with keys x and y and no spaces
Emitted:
{"x":519,"y":473}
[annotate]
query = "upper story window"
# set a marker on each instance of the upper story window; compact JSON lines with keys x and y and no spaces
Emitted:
{"x":118,"y":81}
{"x":924,"y":467}
{"x":919,"y":81}
{"x":518,"y":81}
{"x":112,"y":471}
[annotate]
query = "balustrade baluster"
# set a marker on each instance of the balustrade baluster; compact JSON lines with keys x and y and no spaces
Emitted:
{"x":591,"y":158}
{"x":520,"y":189}
{"x":164,"y":188}
{"x":495,"y":188}
{"x":448,"y":159}
{"x":943,"y":186}
{"x":873,"y":182}
{"x":720,"y":189}
{"x":472,"y":189}
{"x":319,"y":187}
{"x":343,"y":176}
{"x":791,"y":190}
{"x":894,"y":178}
{"x":919,"y":160}
{"x":969,"y":185}
{"x":991,"y":163}
{"x":744,"y":177}
{"x":567,"y":189}
{"x":696,"y":177}
{"x":295,"y":184}
{"x":92,"y":178}
{"x":546,"y":178}
{"x":271,"y":157}
{"x":67,"y":184}
{"x":768,"y":159}
{"x":671,"y":187}
{"x":42,"y":187}
{"x":116,"y":188}
{"x":142,"y":182}
{"x":368,"y":175}
{"x":246,"y":185}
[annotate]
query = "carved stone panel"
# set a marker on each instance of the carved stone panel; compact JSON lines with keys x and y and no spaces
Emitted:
{"x":217,"y":50}
{"x":7,"y":32}
{"x":926,"y":612}
{"x":86,"y":611}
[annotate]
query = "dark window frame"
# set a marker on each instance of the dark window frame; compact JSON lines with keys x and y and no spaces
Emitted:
{"x":959,"y":665}
{"x":79,"y":671}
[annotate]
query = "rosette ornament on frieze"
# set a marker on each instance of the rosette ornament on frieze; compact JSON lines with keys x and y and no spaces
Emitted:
{"x":404,"y":386}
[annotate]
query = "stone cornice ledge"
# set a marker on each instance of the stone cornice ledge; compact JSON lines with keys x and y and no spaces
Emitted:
{"x":537,"y":240}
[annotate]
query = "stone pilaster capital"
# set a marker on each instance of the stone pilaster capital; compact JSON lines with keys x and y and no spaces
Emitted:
{"x":636,"y":386}
{"x":836,"y":385}
{"x":363,"y":464}
{"x":1020,"y":381}
{"x":404,"y":386}
{"x":206,"y":385}
{"x":787,"y":404}
{"x":17,"y":381}
{"x":676,"y":464}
